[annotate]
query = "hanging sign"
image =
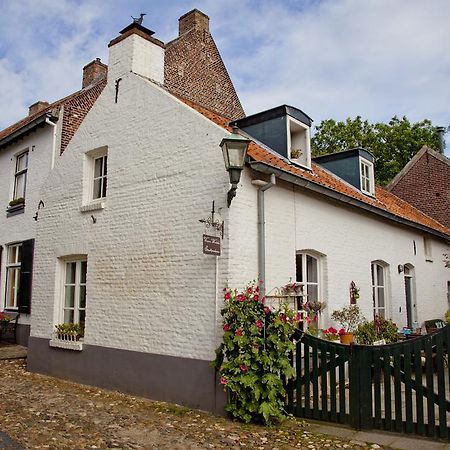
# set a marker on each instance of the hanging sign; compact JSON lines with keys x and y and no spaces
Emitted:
{"x":211,"y":245}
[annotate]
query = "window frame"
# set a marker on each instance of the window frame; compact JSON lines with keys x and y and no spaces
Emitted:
{"x":102,"y":178}
{"x":78,"y":261}
{"x":16,"y":267}
{"x":305,"y":283}
{"x":375,"y":285}
{"x":89,"y":201}
{"x":369,"y":178}
{"x":20,"y":173}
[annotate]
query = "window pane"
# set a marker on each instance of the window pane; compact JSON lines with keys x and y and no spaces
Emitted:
{"x":19,"y":189}
{"x":381,"y":313}
{"x":380,"y":275}
{"x":70,"y":273}
{"x":22,"y":162}
{"x":98,"y":167}
{"x":68,"y":316}
{"x":313,"y":293}
{"x":299,"y":267}
{"x":82,"y":318}
{"x":105,"y":164}
{"x":83,"y":272}
{"x":311,"y":269}
{"x":381,"y":297}
{"x":82,"y":296}
{"x":104,"y":180}
{"x":12,"y":279}
{"x":97,"y":188}
{"x":69,"y":297}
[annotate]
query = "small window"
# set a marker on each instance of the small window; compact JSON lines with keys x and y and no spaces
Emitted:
{"x":13,"y":264}
{"x":74,"y":292}
{"x":379,"y":289}
{"x":367,"y":177}
{"x":299,"y":142}
{"x":100,"y":177}
{"x":427,"y":249}
{"x":20,"y":176}
{"x":308,"y":276}
{"x":95,"y":178}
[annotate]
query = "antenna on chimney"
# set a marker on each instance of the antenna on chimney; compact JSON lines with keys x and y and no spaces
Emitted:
{"x":139,"y":20}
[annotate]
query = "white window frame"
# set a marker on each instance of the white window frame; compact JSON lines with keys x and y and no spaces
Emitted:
{"x":366,"y":179}
{"x":305,"y":283}
{"x":290,"y":123}
{"x":376,"y":286}
{"x":12,"y":266}
{"x":89,"y":201}
{"x":427,"y":248}
{"x":77,"y":285}
{"x":20,"y":173}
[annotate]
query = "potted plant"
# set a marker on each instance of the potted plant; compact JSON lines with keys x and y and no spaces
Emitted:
{"x":16,"y":202}
{"x":314,"y":309}
{"x":330,"y":334}
{"x":69,"y":331}
{"x":349,"y":317}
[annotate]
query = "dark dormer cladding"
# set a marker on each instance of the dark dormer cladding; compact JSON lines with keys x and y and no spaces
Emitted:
{"x":356,"y":166}
{"x":284,"y":129}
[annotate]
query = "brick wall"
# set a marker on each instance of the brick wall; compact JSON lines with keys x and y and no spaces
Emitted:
{"x":194,"y":68}
{"x":93,"y":72}
{"x":426,"y":186}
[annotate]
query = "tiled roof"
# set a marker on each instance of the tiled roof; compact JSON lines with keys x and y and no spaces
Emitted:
{"x":384,"y":201}
{"x":76,"y":106}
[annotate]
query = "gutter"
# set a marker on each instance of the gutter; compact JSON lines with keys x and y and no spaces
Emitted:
{"x":29,"y":127}
{"x":281,"y":174}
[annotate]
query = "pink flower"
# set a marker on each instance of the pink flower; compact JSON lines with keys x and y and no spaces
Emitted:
{"x":240,"y":298}
{"x":243,"y":368}
{"x":226,"y":327}
{"x":263,"y":300}
{"x":249,"y":290}
{"x":308,"y":320}
{"x":227,"y":296}
{"x":224,"y":289}
{"x":259,"y":324}
{"x":238,"y":332}
{"x":266,"y":309}
{"x":298,"y":317}
{"x":257,"y":289}
{"x":223,"y":381}
{"x":256,"y":297}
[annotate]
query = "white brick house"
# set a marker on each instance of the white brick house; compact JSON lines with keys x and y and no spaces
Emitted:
{"x":119,"y":242}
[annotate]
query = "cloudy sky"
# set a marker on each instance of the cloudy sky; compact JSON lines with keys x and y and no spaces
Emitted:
{"x":330,"y":58}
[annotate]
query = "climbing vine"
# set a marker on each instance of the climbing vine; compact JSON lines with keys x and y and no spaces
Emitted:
{"x":253,"y":359}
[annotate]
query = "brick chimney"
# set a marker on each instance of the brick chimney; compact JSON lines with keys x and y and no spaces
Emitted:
{"x":93,"y":71}
{"x":136,"y":50}
{"x":194,"y":19}
{"x":38,"y":106}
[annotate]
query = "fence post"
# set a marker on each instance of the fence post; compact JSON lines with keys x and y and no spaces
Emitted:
{"x":360,"y":387}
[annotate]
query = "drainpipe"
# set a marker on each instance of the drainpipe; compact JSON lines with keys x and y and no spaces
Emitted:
{"x":263,"y":186}
{"x":49,"y":122}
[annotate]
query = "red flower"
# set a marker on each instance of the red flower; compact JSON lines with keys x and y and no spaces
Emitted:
{"x":226,"y":327}
{"x":249,"y":290}
{"x":298,"y":317}
{"x":266,"y":309}
{"x":257,"y":289}
{"x":263,"y":300}
{"x":283,"y":318}
{"x":331,"y":330}
{"x":256,"y":297}
{"x":227,"y":296}
{"x":243,"y":368}
{"x":259,"y":324}
{"x":223,"y":381}
{"x":240,"y":298}
{"x":308,"y":319}
{"x":342,"y":331}
{"x":238,"y":332}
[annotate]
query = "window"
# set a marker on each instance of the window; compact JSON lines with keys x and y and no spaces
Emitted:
{"x":100,"y":177}
{"x":379,"y":290}
{"x":74,"y":292}
{"x":299,"y":142}
{"x":13,"y":262}
{"x":427,"y":249}
{"x":307,"y":274}
{"x":367,"y":177}
{"x":20,"y":176}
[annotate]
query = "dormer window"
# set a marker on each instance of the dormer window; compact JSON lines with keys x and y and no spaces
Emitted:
{"x":299,"y":142}
{"x":367,"y":177}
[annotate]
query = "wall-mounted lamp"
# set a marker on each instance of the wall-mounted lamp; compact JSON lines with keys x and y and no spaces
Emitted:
{"x":400,"y":268}
{"x":234,"y":149}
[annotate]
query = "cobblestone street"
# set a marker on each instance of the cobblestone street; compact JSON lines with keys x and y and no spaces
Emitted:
{"x":41,"y":412}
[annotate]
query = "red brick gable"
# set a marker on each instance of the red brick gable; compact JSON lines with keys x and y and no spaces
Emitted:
{"x":425,"y":183}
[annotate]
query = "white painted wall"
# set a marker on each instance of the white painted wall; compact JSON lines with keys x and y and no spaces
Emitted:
{"x":149,"y":286}
{"x":22,"y":226}
{"x":350,"y":238}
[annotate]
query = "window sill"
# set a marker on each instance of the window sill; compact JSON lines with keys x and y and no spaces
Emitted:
{"x":428,"y":260}
{"x":14,"y":210}
{"x":93,"y":206}
{"x":66,"y":345}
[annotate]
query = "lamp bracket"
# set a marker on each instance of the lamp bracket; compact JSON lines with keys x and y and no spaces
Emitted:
{"x":213,"y":222}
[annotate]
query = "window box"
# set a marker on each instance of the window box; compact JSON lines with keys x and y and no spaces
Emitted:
{"x":13,"y":210}
{"x":66,"y":341}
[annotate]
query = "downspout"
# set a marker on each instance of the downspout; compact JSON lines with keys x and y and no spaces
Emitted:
{"x":49,"y":122}
{"x":263,"y":186}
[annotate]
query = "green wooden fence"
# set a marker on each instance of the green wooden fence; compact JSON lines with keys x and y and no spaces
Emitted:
{"x":402,"y":387}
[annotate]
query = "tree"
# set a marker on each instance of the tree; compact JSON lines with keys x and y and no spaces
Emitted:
{"x":392,"y":144}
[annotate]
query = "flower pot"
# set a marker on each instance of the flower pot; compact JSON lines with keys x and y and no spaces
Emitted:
{"x":346,"y":338}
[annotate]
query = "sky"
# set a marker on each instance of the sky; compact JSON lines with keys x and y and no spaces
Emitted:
{"x":330,"y":58}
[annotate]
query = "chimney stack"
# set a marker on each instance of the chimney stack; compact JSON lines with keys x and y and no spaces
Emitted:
{"x":38,"y":106}
{"x":194,"y":19}
{"x":441,"y":133}
{"x":93,"y":71}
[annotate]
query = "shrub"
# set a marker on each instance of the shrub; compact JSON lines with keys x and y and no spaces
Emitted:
{"x":69,"y":329}
{"x":349,"y":317}
{"x":254,"y":356}
{"x":369,"y":332}
{"x":447,"y":317}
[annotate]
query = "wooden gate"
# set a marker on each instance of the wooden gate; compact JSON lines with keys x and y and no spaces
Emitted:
{"x":402,"y":387}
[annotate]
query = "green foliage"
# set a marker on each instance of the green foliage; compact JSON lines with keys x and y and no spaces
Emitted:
{"x":70,"y":329}
{"x":447,"y":317}
{"x":349,"y":317}
{"x":17,"y":201}
{"x":393,"y":144}
{"x":253,"y":359}
{"x":369,"y":332}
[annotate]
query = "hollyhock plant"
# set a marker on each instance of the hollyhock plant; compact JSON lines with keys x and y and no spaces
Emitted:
{"x":256,"y":365}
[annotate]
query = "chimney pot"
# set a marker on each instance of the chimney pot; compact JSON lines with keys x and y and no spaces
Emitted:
{"x":38,"y":106}
{"x":441,"y":133}
{"x":193,"y":19}
{"x":93,"y":71}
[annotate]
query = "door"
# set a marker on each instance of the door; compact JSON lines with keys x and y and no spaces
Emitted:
{"x":409,"y":296}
